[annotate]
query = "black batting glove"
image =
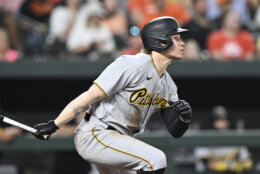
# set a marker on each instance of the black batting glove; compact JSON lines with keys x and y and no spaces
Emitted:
{"x":183,"y":109}
{"x":44,"y":130}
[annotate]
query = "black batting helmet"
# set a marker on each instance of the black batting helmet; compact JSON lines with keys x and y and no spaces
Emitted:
{"x":155,"y":34}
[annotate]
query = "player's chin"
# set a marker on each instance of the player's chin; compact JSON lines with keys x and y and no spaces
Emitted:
{"x":179,"y":57}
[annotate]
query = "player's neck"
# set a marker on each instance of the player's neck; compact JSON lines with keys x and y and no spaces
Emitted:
{"x":160,"y":62}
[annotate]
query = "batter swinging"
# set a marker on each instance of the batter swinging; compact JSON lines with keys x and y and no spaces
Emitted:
{"x":121,"y":101}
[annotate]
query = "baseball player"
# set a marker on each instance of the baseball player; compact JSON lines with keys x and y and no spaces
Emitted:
{"x":122,"y":99}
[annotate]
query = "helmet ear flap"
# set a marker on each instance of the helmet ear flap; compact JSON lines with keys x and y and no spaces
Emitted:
{"x":163,"y":43}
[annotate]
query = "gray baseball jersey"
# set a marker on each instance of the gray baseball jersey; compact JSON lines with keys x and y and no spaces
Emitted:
{"x":134,"y":91}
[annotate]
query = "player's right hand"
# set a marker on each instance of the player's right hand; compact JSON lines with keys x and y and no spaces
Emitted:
{"x":44,"y":130}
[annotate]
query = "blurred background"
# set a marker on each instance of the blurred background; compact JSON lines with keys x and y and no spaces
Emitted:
{"x":52,"y":50}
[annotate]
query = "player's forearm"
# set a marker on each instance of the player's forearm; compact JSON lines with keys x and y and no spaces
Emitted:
{"x":79,"y":106}
{"x":175,"y":126}
{"x":71,"y":111}
{"x":178,"y":128}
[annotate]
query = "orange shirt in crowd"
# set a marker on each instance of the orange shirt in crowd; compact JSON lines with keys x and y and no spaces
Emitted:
{"x":237,"y":47}
{"x":114,"y":21}
{"x":148,"y":11}
{"x":41,"y":8}
{"x":138,"y":5}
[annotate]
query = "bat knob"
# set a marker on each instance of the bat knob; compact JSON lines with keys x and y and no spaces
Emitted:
{"x":1,"y":119}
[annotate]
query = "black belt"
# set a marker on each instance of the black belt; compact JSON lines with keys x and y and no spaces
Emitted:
{"x":112,"y":128}
{"x":87,"y":118}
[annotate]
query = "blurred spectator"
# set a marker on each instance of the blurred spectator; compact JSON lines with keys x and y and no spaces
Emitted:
{"x":134,"y":46}
{"x":191,"y":50}
{"x":254,"y":12}
{"x":6,"y":53}
{"x":224,"y":159}
{"x":11,"y":6}
{"x":91,"y":37}
{"x":145,"y":10}
{"x":62,"y":19}
{"x":9,"y":133}
{"x":61,"y":22}
{"x":199,"y":26}
{"x":218,"y":8}
{"x":9,"y":10}
{"x":231,"y":42}
{"x":114,"y":18}
{"x":220,"y":118}
{"x":39,"y":10}
{"x":187,"y":4}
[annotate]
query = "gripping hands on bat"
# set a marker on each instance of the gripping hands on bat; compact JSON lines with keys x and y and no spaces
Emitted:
{"x":45,"y":129}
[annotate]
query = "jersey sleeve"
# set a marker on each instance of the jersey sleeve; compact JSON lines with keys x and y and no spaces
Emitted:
{"x":115,"y":77}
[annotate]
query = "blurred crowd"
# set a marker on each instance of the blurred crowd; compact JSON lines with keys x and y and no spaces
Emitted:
{"x":99,"y":29}
{"x":224,"y":159}
{"x":216,"y":159}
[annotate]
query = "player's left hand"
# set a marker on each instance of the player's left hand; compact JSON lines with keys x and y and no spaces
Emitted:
{"x":184,"y":110}
{"x":44,"y":129}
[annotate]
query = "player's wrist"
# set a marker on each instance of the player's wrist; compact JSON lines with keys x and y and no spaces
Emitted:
{"x":53,"y":125}
{"x":56,"y":124}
